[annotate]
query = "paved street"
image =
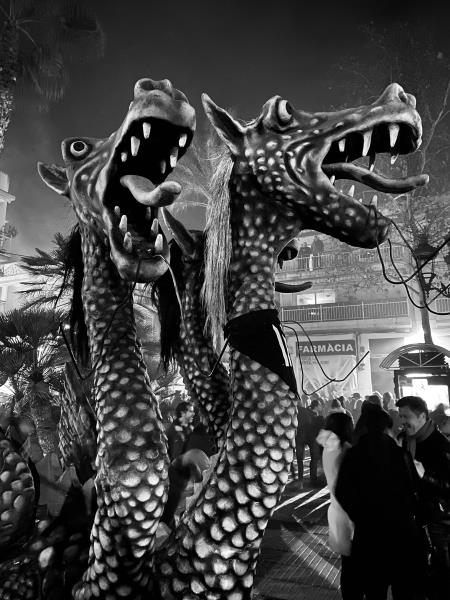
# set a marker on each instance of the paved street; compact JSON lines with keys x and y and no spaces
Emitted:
{"x":295,"y":560}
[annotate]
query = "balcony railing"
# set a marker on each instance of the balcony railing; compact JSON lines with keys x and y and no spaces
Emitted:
{"x":346,"y":312}
{"x":331,"y":260}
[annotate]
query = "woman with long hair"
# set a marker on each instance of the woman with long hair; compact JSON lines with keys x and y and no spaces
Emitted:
{"x":336,"y":440}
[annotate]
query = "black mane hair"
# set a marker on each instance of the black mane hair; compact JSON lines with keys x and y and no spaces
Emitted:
{"x":165,"y":300}
{"x":74,"y":272}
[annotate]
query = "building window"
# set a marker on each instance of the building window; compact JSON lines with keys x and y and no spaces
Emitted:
{"x":322,"y":297}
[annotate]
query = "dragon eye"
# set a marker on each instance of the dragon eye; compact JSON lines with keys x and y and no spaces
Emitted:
{"x":284,"y":111}
{"x":78,"y":148}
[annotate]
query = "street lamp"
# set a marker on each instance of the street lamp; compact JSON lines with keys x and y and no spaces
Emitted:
{"x":422,"y":253}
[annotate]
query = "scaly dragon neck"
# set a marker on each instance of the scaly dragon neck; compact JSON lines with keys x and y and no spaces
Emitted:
{"x":261,"y":235}
{"x":132,"y":457}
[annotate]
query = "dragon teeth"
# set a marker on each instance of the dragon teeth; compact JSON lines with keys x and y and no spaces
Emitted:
{"x":351,"y":191}
{"x":394,"y":158}
{"x":146,"y":128}
{"x":123,"y":225}
{"x":148,"y":213}
{"x":135,"y":143}
{"x":123,"y":156}
{"x":173,"y":158}
{"x":367,"y":138}
{"x":182,"y":141}
{"x":117,"y":211}
{"x":163,"y":166}
{"x":393,"y":134}
{"x":155,"y":226}
{"x":332,"y":179}
{"x":372,"y":162}
{"x":127,"y":242}
{"x":341,"y":145}
{"x":374,"y":201}
{"x":159,"y":244}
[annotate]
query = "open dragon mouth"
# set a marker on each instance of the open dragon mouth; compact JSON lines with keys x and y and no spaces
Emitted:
{"x":391,"y":137}
{"x":146,"y":154}
{"x":315,"y":161}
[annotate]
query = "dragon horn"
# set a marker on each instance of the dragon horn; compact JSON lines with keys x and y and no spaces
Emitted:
{"x":181,"y":235}
{"x":290,"y":288}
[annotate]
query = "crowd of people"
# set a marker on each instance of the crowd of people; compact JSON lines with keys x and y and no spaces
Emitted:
{"x":387,"y":467}
{"x":386,"y":464}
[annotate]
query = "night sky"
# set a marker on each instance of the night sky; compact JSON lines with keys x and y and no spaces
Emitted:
{"x":239,"y":52}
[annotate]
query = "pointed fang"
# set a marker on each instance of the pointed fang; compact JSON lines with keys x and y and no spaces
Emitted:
{"x":341,"y":145}
{"x":123,"y":156}
{"x":148,"y":213}
{"x":173,"y":158}
{"x":182,"y":141}
{"x":117,"y":211}
{"x":163,"y":166}
{"x":367,"y":138}
{"x":135,"y":143}
{"x":123,"y":225}
{"x":332,"y":179}
{"x":374,"y":201}
{"x":127,"y":242}
{"x":159,"y":244}
{"x":351,"y":191}
{"x":393,"y":134}
{"x":146,"y":128}
{"x":372,"y":162}
{"x":394,"y":158}
{"x":155,"y":227}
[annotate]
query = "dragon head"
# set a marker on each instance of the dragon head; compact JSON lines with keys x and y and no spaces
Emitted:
{"x":116,"y":185}
{"x":295,"y":157}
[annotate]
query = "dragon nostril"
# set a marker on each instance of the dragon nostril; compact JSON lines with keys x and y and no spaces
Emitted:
{"x":144,"y":85}
{"x":403,"y":97}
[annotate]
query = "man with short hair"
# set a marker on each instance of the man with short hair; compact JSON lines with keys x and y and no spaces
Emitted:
{"x":180,"y":430}
{"x":430,"y":451}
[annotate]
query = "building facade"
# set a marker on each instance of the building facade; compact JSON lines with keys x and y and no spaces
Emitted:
{"x":351,"y":318}
{"x":10,"y":272}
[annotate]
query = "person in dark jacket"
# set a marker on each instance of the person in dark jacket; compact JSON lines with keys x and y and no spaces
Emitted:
{"x":430,"y":451}
{"x":375,"y":487}
{"x":180,"y":430}
{"x":310,"y":422}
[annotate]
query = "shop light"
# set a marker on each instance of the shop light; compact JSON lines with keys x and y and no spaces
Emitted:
{"x":418,"y":375}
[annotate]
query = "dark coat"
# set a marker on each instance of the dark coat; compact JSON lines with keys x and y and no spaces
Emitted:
{"x":376,"y":489}
{"x":434,"y":486}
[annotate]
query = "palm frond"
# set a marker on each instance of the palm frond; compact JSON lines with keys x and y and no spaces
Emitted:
{"x":79,"y":34}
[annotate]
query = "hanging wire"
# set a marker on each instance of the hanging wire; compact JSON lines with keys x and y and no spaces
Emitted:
{"x":419,"y":269}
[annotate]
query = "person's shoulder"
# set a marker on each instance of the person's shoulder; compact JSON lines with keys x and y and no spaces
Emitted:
{"x":438,"y":439}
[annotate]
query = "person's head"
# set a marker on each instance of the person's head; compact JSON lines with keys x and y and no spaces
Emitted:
{"x":314,"y":405}
{"x":440,"y":407}
{"x":445,"y":428}
{"x":356,"y":396}
{"x":374,"y":399}
{"x":413,"y":413}
{"x":387,"y":400}
{"x":335,"y":403}
{"x":341,"y":424}
{"x":185,"y":412}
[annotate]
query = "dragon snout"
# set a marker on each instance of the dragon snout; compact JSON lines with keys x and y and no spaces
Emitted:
{"x":395,"y":93}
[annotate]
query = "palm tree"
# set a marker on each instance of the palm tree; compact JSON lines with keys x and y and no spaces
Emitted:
{"x":32,"y":356}
{"x":38,"y":38}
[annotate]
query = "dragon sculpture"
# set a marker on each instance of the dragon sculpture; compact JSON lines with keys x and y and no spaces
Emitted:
{"x":277,"y":180}
{"x":184,"y":337}
{"x":115,"y":186}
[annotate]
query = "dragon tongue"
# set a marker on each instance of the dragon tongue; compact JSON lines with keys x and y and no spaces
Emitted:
{"x":145,"y":192}
{"x":374,"y":180}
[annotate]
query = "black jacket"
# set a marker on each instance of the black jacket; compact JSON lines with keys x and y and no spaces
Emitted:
{"x":376,"y":489}
{"x":434,"y":486}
